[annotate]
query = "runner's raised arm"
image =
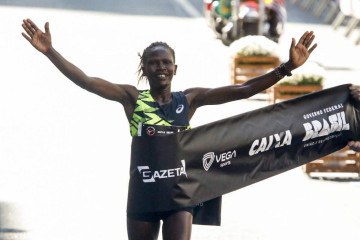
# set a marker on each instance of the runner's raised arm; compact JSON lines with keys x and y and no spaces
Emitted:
{"x":125,"y":94}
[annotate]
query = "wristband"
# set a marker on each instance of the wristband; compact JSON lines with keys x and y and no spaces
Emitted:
{"x":284,"y":71}
{"x":278,"y":74}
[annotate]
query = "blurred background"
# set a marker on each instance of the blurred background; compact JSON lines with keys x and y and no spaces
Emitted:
{"x":64,"y":152}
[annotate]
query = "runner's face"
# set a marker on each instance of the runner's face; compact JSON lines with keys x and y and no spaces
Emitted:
{"x":159,"y":67}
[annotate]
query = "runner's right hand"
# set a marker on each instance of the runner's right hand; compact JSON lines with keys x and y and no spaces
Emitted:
{"x":40,"y":40}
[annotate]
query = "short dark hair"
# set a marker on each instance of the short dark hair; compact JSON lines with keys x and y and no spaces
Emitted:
{"x":145,"y":54}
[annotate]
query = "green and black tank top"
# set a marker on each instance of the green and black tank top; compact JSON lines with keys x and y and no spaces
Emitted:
{"x":153,"y":119}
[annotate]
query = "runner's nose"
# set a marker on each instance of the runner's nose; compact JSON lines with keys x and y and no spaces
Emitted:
{"x":161,"y":65}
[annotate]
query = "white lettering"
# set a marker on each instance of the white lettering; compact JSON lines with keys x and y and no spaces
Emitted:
{"x":262,"y":146}
{"x":273,"y":141}
{"x":277,"y":139}
{"x":149,"y":176}
{"x":287,"y":139}
{"x":334,"y":123}
{"x":325,"y":129}
{"x":225,"y":156}
{"x":308,"y":131}
{"x":171,"y":173}
{"x":156,"y":174}
{"x":253,"y":147}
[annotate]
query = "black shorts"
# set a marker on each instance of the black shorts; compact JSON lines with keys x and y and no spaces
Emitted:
{"x":156,"y":216}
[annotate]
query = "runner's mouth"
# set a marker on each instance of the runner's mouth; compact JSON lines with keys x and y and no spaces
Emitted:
{"x":161,"y":76}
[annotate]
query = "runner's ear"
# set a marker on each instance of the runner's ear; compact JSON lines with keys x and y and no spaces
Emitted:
{"x":175,"y":69}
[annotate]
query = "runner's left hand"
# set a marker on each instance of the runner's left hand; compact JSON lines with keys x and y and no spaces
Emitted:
{"x":300,"y":52}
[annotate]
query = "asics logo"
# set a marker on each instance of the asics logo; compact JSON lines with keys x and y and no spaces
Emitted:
{"x":180,"y":108}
